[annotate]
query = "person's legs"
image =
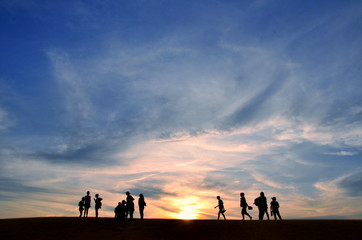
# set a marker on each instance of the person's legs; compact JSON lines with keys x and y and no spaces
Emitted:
{"x":131,"y":214}
{"x":261,"y":213}
{"x":247,"y":214}
{"x":141,"y":213}
{"x":266,"y":212}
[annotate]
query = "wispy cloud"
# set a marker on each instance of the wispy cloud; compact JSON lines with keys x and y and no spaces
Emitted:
{"x":342,"y":153}
{"x":5,"y":121}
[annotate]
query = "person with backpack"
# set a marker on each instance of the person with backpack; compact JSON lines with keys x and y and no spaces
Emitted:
{"x":98,"y":203}
{"x":262,"y":205}
{"x":221,"y":208}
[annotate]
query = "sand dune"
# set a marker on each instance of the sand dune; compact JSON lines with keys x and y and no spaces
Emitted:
{"x":108,"y":228}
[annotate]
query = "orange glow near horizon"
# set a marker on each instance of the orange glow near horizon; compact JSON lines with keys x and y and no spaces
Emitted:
{"x":187,"y":208}
{"x":187,"y":212}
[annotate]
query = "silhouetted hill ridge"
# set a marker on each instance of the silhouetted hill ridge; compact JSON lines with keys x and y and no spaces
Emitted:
{"x":109,"y":228}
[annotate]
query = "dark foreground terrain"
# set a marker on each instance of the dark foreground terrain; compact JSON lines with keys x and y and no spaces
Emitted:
{"x":108,"y":228}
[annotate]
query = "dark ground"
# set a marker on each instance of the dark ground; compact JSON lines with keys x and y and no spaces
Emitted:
{"x":108,"y":228}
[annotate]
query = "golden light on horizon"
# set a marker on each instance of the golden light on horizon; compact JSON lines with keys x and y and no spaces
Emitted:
{"x":188,"y":208}
{"x":188,"y":212}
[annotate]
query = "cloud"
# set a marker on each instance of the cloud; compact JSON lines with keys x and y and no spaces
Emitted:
{"x":343,"y":153}
{"x":5,"y":121}
{"x":345,"y":192}
{"x":72,"y":85}
{"x":12,"y":185}
{"x":91,"y":154}
{"x":352,"y":184}
{"x":265,"y":180}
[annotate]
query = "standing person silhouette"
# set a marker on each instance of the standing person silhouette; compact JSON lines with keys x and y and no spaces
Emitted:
{"x":274,"y":208}
{"x":141,"y":204}
{"x":221,"y":208}
{"x":244,"y":206}
{"x":117,"y":211}
{"x":98,"y":203}
{"x":124,"y":210}
{"x":87,"y":204}
{"x":81,"y":207}
{"x":130,"y":204}
{"x":262,"y":205}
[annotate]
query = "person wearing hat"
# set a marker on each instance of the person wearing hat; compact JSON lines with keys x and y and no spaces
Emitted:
{"x":274,"y":208}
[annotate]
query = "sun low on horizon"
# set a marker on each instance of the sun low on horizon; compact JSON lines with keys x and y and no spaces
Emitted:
{"x":188,"y":208}
{"x":181,"y":101}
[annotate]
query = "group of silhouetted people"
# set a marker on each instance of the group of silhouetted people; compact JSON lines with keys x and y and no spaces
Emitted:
{"x":85,"y":203}
{"x":126,"y":208}
{"x":260,"y":202}
{"x":123,"y":210}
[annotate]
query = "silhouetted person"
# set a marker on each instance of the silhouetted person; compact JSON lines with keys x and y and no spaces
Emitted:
{"x":87,"y":204}
{"x":141,"y":204}
{"x":81,"y":207}
{"x":124,"y":209}
{"x":244,"y":206}
{"x":120,"y":210}
{"x":98,"y":203}
{"x":117,"y":210}
{"x":262,"y":205}
{"x":221,"y":208}
{"x":130,"y":205}
{"x":274,"y":208}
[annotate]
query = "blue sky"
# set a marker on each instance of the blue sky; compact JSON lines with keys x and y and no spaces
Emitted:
{"x":181,"y":101}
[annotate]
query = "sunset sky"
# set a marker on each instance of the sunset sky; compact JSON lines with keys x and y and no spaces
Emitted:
{"x":181,"y":101}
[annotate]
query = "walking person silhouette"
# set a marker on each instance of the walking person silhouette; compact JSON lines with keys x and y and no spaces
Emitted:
{"x":274,"y":208}
{"x":98,"y":203}
{"x":141,"y":204}
{"x":130,"y":204}
{"x":262,"y":205}
{"x":87,"y":204}
{"x":81,"y":207}
{"x":244,"y":205}
{"x":221,"y":208}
